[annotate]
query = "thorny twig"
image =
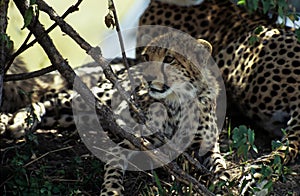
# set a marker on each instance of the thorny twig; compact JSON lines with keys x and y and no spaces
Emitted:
{"x":103,"y":111}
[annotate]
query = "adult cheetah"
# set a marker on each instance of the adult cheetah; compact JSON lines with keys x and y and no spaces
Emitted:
{"x":261,"y":79}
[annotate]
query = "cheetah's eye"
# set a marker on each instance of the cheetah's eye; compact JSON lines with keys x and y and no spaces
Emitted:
{"x":145,"y":57}
{"x":169,"y":59}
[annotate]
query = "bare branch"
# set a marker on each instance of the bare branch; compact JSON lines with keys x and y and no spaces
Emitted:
{"x":53,"y":54}
{"x":112,"y":8}
{"x":25,"y":46}
{"x":24,"y":76}
{"x":22,"y":48}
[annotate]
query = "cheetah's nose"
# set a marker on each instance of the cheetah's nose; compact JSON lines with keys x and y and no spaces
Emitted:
{"x":159,"y":90}
{"x":158,"y":87}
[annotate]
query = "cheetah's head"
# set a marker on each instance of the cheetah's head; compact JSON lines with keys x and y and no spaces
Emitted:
{"x":178,"y":66}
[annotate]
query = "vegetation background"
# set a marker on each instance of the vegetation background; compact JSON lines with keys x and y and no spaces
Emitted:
{"x":88,"y":22}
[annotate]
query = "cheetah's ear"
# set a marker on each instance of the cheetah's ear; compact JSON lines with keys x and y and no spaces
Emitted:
{"x":206,"y":44}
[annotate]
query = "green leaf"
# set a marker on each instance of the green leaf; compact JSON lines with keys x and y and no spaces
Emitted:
{"x":254,"y":148}
{"x":282,"y":4}
{"x":258,"y":30}
{"x":266,"y":5}
{"x":254,"y":5}
{"x":251,"y":136}
{"x":44,"y":190}
{"x":241,"y":2}
{"x":268,"y":185}
{"x":276,"y":144}
{"x":266,"y":171}
{"x":253,"y":39}
{"x":30,"y":13}
{"x":277,"y":160}
{"x":4,"y":38}
{"x":283,"y":131}
{"x":159,"y":186}
{"x":280,"y":12}
{"x":240,"y":150}
{"x":56,"y":190}
{"x":28,"y":17}
{"x":246,"y":148}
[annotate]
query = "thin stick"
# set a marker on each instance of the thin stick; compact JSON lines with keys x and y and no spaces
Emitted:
{"x":24,"y":76}
{"x":111,"y":7}
{"x":35,"y":160}
{"x":25,"y":46}
{"x":46,"y":154}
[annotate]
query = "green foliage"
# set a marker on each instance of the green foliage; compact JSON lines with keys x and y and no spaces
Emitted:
{"x":241,"y":2}
{"x":39,"y":176}
{"x":254,"y":38}
{"x":243,"y":141}
{"x":267,"y":5}
{"x":264,"y":173}
{"x":161,"y":190}
{"x":30,"y":13}
{"x":258,"y":30}
{"x":5,"y":41}
{"x":276,"y":144}
{"x":271,"y":171}
{"x":275,"y":7}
